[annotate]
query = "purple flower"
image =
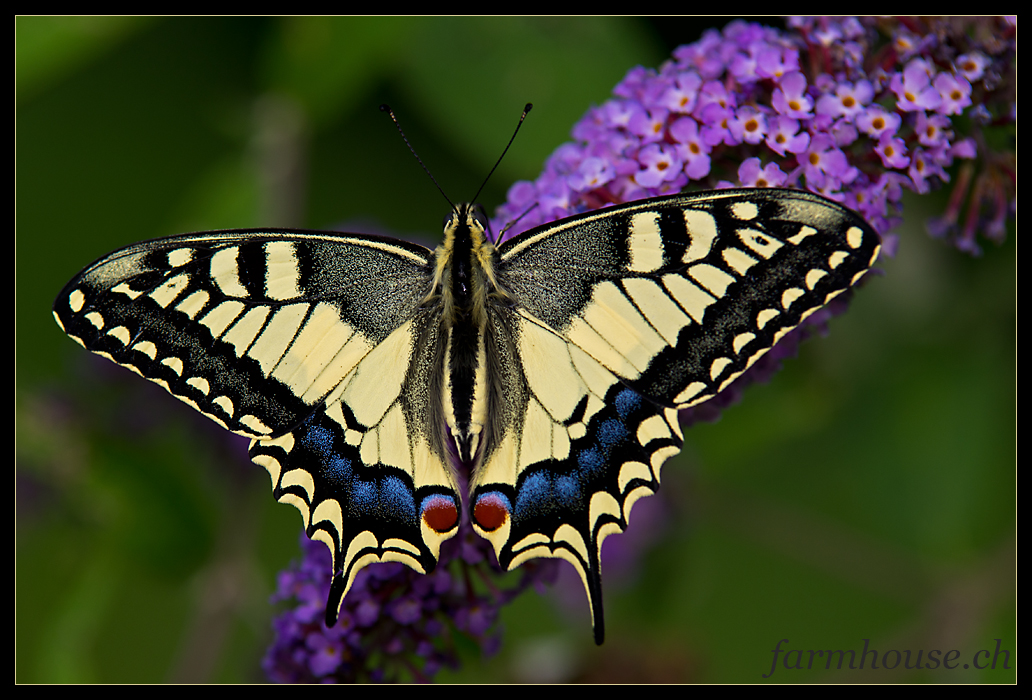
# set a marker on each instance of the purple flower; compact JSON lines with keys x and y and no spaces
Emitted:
{"x":790,"y":97}
{"x":694,"y":151}
{"x":972,"y":65}
{"x":785,"y":137}
{"x":893,"y":152}
{"x":913,"y":88}
{"x":660,"y":164}
{"x":808,"y":102}
{"x":876,"y":122}
{"x":955,"y":93}
{"x":394,"y":622}
{"x":750,"y":174}
{"x":847,"y":101}
{"x":749,"y":125}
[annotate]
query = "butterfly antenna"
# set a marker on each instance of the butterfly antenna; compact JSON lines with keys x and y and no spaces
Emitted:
{"x":387,"y":108}
{"x":526,"y":111}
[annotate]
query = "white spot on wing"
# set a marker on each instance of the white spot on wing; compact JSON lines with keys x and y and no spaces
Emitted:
{"x":243,"y":332}
{"x":299,"y":477}
{"x":718,"y":367}
{"x":219,"y":318}
{"x":192,"y":305}
{"x":256,"y":425}
{"x":737,"y":260}
{"x":746,"y":211}
{"x":659,"y":309}
{"x":226,"y":274}
{"x":854,"y":237}
{"x":688,"y":296}
{"x":147,"y":348}
{"x":760,"y":243}
{"x":765,"y":316}
{"x":174,"y":364}
{"x":645,"y":243}
{"x":170,"y":290}
{"x":714,"y":280}
{"x":629,"y":471}
{"x":75,"y":300}
{"x":200,"y":384}
{"x":790,"y":295}
{"x":570,"y":535}
{"x":702,"y":231}
{"x":602,"y":504}
{"x":225,"y":403}
{"x":690,"y":392}
{"x":96,"y":319}
{"x":741,"y":340}
{"x":123,"y":288}
{"x":121,"y":333}
{"x":837,"y":258}
{"x":282,"y":275}
{"x":813,"y":277}
{"x":804,"y":232}
{"x":180,"y":257}
{"x":329,"y":510}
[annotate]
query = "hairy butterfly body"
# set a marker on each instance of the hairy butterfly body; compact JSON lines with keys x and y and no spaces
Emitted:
{"x":552,"y":366}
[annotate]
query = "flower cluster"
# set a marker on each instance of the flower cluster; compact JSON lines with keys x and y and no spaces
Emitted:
{"x":395,"y":623}
{"x":855,"y":109}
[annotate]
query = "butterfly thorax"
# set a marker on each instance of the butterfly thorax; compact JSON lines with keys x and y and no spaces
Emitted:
{"x":466,"y":284}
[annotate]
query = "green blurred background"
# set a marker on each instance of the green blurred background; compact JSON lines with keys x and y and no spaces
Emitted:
{"x":867,"y":493}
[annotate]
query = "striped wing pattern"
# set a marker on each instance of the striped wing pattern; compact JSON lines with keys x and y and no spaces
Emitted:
{"x":323,"y":349}
{"x":626,"y":316}
{"x":301,"y":341}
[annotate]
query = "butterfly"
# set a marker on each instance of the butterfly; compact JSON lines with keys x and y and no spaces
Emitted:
{"x":551,"y":366}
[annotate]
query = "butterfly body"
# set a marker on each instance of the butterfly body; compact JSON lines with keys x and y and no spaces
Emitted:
{"x":550,"y":368}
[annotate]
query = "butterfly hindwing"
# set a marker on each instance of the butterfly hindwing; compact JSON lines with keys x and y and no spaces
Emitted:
{"x":626,"y":315}
{"x":308,"y":343}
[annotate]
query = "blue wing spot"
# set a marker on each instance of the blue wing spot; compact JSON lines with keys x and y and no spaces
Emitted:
{"x":533,"y":494}
{"x":396,"y":498}
{"x":568,"y":489}
{"x":363,"y":498}
{"x":611,"y":432}
{"x":335,"y":467}
{"x":591,"y":460}
{"x":627,"y":401}
{"x":319,"y":440}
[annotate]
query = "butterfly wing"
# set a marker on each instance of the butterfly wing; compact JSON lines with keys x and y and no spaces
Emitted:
{"x":625,"y":316}
{"x":314,"y":345}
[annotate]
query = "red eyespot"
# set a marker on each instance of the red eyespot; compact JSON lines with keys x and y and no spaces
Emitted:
{"x":440,"y":513}
{"x":491,"y":511}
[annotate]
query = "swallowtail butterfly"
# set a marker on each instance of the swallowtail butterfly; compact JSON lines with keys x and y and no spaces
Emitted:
{"x":553,"y":365}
